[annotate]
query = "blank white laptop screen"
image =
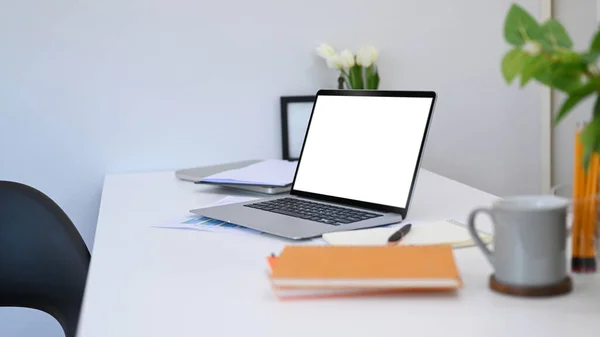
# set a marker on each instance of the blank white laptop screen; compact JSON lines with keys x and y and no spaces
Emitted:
{"x":363,"y":148}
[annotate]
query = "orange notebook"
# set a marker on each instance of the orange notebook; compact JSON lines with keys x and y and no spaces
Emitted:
{"x":359,"y":268}
{"x":307,"y":293}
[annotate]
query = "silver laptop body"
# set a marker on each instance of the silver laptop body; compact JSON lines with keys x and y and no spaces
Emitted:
{"x":357,"y":169}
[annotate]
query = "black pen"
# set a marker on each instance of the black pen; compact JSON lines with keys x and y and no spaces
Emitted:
{"x":394,"y":238}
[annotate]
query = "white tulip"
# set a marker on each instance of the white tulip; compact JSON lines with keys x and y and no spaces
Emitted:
{"x":335,"y":62}
{"x":367,"y":56}
{"x":325,"y":51}
{"x":347,"y":58}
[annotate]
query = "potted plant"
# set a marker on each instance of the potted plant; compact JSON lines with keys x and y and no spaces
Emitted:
{"x":544,"y":52}
{"x":356,"y":71}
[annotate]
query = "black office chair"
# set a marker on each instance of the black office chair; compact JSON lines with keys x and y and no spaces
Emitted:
{"x":43,"y":260}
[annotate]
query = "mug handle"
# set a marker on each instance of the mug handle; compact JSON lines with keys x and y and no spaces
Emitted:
{"x":473,"y":231}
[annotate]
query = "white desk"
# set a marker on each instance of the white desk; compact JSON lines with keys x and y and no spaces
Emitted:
{"x":147,"y":281}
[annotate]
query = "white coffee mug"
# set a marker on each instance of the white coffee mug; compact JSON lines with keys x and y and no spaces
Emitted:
{"x":529,"y":242}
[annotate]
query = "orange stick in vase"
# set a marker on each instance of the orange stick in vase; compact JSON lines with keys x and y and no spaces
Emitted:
{"x":594,"y":214}
{"x":579,"y":204}
{"x":590,"y":225}
{"x":583,"y":263}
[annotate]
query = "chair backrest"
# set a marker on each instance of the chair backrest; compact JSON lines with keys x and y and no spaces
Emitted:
{"x":43,"y":259}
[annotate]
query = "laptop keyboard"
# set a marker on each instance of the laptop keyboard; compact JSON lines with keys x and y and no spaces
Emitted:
{"x":299,"y":208}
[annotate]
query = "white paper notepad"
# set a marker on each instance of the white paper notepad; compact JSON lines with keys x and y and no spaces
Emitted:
{"x":271,"y":172}
{"x":421,"y":233}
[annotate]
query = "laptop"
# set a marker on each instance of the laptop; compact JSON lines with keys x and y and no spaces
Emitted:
{"x":357,"y":168}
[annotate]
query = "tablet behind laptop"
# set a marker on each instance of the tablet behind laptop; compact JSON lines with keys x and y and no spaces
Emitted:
{"x":357,"y":168}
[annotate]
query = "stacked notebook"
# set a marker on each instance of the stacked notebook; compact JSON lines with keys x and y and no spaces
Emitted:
{"x":330,"y":271}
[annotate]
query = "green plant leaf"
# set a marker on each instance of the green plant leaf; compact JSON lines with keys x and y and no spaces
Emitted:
{"x":565,"y":77}
{"x":595,"y":45}
{"x":513,"y":63}
{"x":590,"y":139}
{"x":535,"y":65}
{"x":520,"y":26}
{"x":568,"y":76}
{"x":566,"y":83}
{"x":355,"y":77}
{"x":570,"y":58}
{"x":574,"y":98}
{"x":371,"y":77}
{"x":376,"y":80}
{"x":597,"y":108}
{"x":553,"y":35}
{"x":590,"y":57}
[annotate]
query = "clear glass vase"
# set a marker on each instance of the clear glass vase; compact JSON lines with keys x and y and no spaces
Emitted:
{"x":566,"y":191}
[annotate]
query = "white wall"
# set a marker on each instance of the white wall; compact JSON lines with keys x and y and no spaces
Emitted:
{"x":580,"y":19}
{"x":88,"y":88}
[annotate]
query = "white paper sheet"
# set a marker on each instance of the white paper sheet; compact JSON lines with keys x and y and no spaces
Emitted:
{"x":198,"y":222}
{"x":269,"y":172}
{"x":229,"y":200}
{"x":201,"y":223}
